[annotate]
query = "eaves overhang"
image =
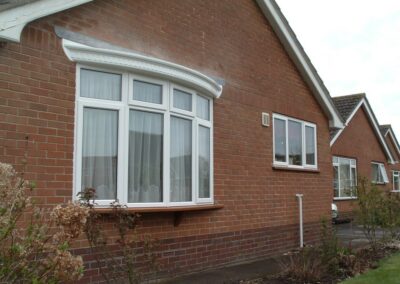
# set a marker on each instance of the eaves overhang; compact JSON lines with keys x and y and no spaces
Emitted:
{"x":13,"y":21}
{"x":296,"y":52}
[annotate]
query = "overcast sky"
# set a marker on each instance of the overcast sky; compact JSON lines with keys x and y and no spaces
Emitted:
{"x":355,"y":47}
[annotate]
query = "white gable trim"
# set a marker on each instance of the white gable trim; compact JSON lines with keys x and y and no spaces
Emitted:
{"x":394,"y":140}
{"x":333,"y":140}
{"x":142,"y":64}
{"x":13,"y":21}
{"x":375,"y":125}
{"x":300,"y":59}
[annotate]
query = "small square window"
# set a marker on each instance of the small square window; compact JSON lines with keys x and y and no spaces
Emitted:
{"x":182,"y":100}
{"x":100,"y":85}
{"x":203,"y":108}
{"x":379,"y":175}
{"x":147,"y":92}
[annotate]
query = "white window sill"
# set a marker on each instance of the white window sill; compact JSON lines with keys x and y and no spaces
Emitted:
{"x":344,"y":198}
{"x":107,"y":210}
{"x":294,"y":168}
{"x":395,"y":191}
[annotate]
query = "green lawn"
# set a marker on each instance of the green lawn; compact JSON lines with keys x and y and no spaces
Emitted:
{"x":388,"y":272}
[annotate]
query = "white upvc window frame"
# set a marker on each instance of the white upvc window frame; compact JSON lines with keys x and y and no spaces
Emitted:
{"x":382,"y":169}
{"x":164,"y":95}
{"x":336,"y":163}
{"x":395,"y":174}
{"x":303,"y":133}
{"x":124,"y":107}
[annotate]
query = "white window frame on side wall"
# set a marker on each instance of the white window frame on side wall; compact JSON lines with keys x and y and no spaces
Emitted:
{"x":303,"y":151}
{"x":396,"y":174}
{"x":382,"y":170}
{"x":353,"y":165}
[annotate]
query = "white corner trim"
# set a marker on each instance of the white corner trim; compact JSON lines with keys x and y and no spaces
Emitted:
{"x":294,"y":49}
{"x":143,"y":64}
{"x":13,"y":21}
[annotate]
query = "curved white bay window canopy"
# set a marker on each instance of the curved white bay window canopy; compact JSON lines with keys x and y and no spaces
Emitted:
{"x":135,"y":62}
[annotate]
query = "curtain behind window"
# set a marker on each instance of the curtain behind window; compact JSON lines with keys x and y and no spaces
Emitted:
{"x":181,"y":160}
{"x":100,"y":152}
{"x":145,"y":157}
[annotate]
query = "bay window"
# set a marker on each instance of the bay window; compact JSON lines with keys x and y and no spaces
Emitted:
{"x":294,"y":142}
{"x":379,"y":175}
{"x":142,"y":141}
{"x":344,"y":177}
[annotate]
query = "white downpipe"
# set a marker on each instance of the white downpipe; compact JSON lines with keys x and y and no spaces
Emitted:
{"x":300,"y":199}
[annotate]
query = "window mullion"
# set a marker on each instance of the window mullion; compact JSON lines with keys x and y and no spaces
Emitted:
{"x":195,"y":150}
{"x":287,"y":140}
{"x":339,"y":179}
{"x":78,"y":149}
{"x":167,"y":148}
{"x":303,"y":145}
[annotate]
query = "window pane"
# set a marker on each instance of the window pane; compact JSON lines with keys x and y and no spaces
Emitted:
{"x":203,"y":108}
{"x":204,"y":162}
{"x":295,"y":143}
{"x":182,"y":100}
{"x":345,"y":178}
{"x":147,"y":92}
{"x":145,"y":157}
{"x":396,"y":181}
{"x":353,"y":182}
{"x":310,"y":145}
{"x":335,"y":160}
{"x":280,"y":140}
{"x":385,"y":178}
{"x":336,"y":181}
{"x":376,"y":176}
{"x":99,"y":152}
{"x":100,"y":85}
{"x":181,"y":160}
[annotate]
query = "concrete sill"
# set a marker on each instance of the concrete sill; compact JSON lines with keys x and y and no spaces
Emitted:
{"x":294,"y":169}
{"x":177,"y":210}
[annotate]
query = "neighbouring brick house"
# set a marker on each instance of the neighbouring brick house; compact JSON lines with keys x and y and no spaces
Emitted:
{"x":159,"y":104}
{"x":393,"y":144}
{"x":363,"y":149}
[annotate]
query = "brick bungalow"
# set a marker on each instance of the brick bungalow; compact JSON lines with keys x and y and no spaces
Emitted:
{"x":393,"y":144}
{"x":361,"y":149}
{"x":206,"y":116}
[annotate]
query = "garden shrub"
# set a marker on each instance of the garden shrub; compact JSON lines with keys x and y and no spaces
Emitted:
{"x":118,"y":258}
{"x":34,"y":242}
{"x":378,"y":212}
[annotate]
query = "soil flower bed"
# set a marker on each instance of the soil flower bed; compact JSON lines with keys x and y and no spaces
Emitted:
{"x":307,"y":266}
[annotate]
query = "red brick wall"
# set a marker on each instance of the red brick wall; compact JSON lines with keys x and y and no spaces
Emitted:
{"x":392,"y":147}
{"x":229,"y":40}
{"x":359,"y":141}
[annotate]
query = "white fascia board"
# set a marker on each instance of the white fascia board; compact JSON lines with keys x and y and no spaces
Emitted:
{"x":394,"y":140}
{"x":377,"y":130}
{"x":13,"y":21}
{"x":333,"y":140}
{"x":375,"y":125}
{"x":285,"y":34}
{"x":139,"y":63}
